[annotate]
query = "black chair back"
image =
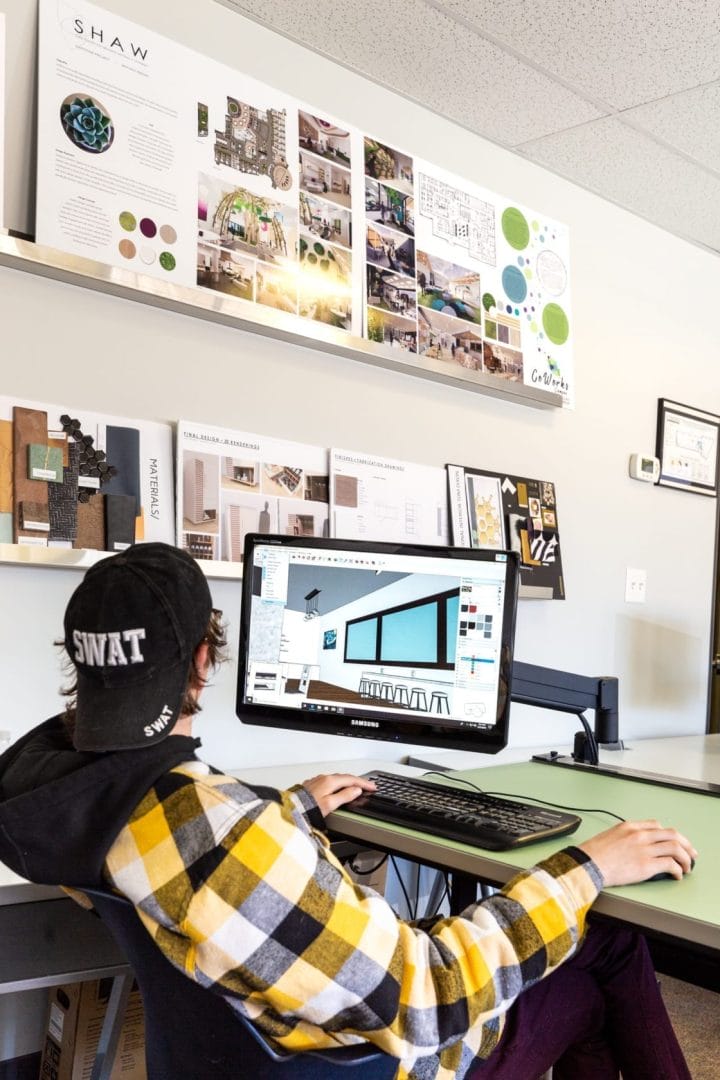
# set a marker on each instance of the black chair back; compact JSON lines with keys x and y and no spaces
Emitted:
{"x":191,"y":1032}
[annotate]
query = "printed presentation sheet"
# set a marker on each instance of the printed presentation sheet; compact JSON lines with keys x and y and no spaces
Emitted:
{"x":374,"y":498}
{"x":499,"y":510}
{"x":231,"y":483}
{"x":2,"y":119}
{"x":79,"y":479}
{"x":157,"y":160}
{"x":458,"y":276}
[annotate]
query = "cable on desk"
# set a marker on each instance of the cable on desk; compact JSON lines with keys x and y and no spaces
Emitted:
{"x":528,"y":798}
{"x":412,"y":913}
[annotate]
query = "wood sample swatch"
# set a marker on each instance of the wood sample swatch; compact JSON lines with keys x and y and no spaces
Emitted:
{"x":29,"y":426}
{"x":34,"y":516}
{"x":91,"y":524}
{"x":6,"y":467}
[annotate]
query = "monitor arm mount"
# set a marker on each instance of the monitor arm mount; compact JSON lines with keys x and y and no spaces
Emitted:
{"x":565,"y":691}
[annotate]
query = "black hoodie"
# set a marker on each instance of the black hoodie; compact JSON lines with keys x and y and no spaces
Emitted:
{"x":61,"y":809}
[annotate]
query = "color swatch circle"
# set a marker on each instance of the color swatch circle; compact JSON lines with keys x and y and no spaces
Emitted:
{"x":555,"y":323}
{"x":128,"y":221}
{"x":168,"y":234}
{"x":148,"y":227}
{"x":552,"y":272}
{"x":514,"y":284}
{"x":167,"y":260}
{"x":515,"y":228}
{"x":127,"y":249}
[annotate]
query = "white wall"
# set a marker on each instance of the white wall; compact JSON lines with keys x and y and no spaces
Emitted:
{"x":644,"y":312}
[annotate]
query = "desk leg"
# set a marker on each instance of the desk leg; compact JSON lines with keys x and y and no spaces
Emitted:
{"x":463,"y":891}
{"x":112,"y":1026}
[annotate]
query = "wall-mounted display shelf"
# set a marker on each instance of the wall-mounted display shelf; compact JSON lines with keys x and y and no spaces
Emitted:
{"x":83,"y":559}
{"x":24,"y":255}
{"x":71,"y":559}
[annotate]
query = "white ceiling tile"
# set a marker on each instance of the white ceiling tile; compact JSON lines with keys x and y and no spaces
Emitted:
{"x":621,"y":52}
{"x":633,"y":170}
{"x":688,"y":122}
{"x":418,"y":51}
{"x":540,"y":78}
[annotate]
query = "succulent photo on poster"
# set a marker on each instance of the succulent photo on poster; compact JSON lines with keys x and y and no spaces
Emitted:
{"x":87,"y":123}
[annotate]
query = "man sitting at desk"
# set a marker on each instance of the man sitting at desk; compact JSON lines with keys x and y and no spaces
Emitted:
{"x":242,"y":881}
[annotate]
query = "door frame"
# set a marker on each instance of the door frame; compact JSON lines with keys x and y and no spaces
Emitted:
{"x":713,"y":708}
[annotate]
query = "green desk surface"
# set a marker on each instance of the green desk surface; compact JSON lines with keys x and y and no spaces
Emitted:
{"x":689,"y":909}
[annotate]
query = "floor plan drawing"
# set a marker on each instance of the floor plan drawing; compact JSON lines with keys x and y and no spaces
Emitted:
{"x":459,"y":218}
{"x":254,"y":142}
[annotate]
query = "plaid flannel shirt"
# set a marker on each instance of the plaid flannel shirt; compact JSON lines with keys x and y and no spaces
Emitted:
{"x":242,"y":894}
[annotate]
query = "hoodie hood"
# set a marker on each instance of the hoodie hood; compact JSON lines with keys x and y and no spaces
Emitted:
{"x":61,"y":809}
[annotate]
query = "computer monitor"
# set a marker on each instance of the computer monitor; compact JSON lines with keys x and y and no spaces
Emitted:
{"x":409,"y":644}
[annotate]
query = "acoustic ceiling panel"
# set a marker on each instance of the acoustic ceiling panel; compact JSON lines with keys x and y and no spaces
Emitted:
{"x":623,"y":54}
{"x":610,"y":155}
{"x":686,"y":121}
{"x":417,"y":50}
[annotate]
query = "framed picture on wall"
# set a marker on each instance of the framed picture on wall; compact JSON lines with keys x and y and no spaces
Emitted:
{"x":687,"y":447}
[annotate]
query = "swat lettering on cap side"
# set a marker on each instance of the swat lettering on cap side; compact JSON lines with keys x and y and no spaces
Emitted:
{"x":107,"y":649}
{"x":160,"y":724}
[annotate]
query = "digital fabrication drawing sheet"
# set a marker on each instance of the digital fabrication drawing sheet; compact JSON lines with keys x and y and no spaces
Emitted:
{"x":374,"y":498}
{"x":231,"y":483}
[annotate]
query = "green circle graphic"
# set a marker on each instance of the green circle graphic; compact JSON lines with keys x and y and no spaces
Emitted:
{"x":515,"y":228}
{"x":127,"y":220}
{"x":555,"y":323}
{"x":488,"y":301}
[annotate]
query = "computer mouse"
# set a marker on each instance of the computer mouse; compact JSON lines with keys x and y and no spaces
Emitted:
{"x":666,"y":876}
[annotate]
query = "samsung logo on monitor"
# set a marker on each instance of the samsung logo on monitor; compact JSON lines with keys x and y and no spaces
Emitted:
{"x":365,"y":723}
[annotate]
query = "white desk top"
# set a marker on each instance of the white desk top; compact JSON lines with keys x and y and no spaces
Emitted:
{"x":692,"y":757}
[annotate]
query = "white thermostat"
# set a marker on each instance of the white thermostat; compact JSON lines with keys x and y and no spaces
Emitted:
{"x":642,"y":467}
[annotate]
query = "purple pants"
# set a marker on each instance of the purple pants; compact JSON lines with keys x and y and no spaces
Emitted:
{"x":598,"y":1014}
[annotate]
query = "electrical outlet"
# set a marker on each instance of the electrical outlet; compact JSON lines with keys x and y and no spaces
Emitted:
{"x":635,"y":582}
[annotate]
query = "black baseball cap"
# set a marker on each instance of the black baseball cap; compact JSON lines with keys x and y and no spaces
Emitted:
{"x":131,"y":630}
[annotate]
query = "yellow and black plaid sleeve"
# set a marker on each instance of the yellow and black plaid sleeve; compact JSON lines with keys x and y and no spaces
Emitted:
{"x":243,"y":894}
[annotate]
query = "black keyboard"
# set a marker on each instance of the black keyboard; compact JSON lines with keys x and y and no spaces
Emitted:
{"x":455,"y":813}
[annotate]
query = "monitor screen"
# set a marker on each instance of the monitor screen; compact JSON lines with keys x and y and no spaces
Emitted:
{"x":387,"y":641}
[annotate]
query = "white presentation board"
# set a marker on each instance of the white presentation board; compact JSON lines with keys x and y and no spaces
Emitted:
{"x":156,"y":159}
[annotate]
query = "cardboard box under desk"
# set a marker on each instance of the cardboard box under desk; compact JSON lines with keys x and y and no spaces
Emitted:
{"x":364,"y":866}
{"x":75,"y":1016}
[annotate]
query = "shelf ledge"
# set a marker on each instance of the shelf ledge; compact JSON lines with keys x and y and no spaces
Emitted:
{"x":24,"y":255}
